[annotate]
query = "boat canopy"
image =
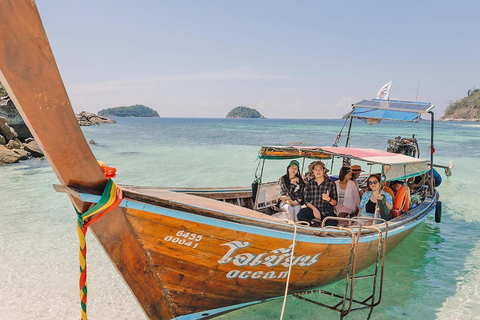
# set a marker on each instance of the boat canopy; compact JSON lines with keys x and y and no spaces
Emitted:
{"x":394,"y":166}
{"x":292,"y":152}
{"x":390,"y":110}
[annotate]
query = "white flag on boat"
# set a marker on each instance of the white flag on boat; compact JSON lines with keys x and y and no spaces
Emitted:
{"x":384,"y":92}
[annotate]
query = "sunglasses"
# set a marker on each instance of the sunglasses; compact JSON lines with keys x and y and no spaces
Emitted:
{"x":372,"y":182}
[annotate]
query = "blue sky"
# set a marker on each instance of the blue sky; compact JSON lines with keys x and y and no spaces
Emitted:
{"x":287,"y":59}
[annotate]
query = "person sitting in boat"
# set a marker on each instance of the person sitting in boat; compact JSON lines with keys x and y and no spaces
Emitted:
{"x":309,"y":175}
{"x":418,"y":183}
{"x":292,"y":187}
{"x":320,"y":196}
{"x":368,"y":205}
{"x":356,"y":170}
{"x":402,"y":199}
{"x":389,"y":190}
{"x":348,"y":196}
{"x":396,"y":184}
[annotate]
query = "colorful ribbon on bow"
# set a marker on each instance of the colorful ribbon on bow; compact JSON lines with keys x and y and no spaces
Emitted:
{"x":110,"y":199}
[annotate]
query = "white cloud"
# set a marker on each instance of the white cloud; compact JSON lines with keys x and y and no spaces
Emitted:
{"x":343,"y":106}
{"x":242,"y":73}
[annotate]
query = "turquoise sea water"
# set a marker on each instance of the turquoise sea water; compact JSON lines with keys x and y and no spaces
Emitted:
{"x":433,"y":274}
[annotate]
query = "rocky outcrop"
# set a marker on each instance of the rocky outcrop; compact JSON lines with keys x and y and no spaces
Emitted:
{"x":85,"y":118}
{"x":465,"y":109}
{"x":15,"y":121}
{"x":13,"y":118}
{"x":462,"y":114}
{"x":6,"y":131}
{"x":8,"y":156}
{"x":33,"y":148}
{"x":12,"y":149}
{"x":16,"y":142}
{"x":459,"y":119}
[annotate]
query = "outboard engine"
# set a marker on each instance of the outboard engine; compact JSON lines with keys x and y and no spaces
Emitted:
{"x":406,"y":146}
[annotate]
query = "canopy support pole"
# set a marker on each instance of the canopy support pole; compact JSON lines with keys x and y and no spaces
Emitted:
{"x":432,"y":151}
{"x":346,"y":161}
{"x":347,"y":142}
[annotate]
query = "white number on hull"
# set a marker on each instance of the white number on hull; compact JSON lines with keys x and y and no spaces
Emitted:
{"x":185,"y":238}
{"x":189,"y":236}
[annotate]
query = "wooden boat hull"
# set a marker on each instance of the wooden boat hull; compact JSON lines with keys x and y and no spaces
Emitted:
{"x":200,"y":265}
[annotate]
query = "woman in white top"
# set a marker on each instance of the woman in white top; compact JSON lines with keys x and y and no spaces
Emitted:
{"x":348,"y":197}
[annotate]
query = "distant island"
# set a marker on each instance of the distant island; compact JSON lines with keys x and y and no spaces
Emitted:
{"x":465,"y":109}
{"x":138,"y":110}
{"x":244,"y":112}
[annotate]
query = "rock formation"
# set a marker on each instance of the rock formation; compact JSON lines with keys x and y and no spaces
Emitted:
{"x":15,"y":147}
{"x":12,"y":149}
{"x":16,"y":142}
{"x":85,"y":118}
{"x":13,"y":118}
{"x":465,"y":109}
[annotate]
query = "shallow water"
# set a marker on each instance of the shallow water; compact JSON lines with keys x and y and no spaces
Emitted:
{"x":433,"y":274}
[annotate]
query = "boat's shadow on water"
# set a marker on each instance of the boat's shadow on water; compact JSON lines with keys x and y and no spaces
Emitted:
{"x":420,"y":275}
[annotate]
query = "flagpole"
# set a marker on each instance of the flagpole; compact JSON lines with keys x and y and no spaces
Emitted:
{"x":418,"y":88}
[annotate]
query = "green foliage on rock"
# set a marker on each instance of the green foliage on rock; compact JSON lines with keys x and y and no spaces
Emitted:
{"x":138,"y":110}
{"x":244,"y":112}
{"x":467,"y":108}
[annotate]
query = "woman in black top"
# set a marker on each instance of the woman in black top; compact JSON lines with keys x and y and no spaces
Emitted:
{"x":368,"y":204}
{"x":292,"y":187}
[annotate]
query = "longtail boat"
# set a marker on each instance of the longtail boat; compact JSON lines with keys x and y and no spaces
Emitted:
{"x":196,"y":253}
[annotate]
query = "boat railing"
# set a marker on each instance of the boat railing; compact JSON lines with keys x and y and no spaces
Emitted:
{"x":347,"y":301}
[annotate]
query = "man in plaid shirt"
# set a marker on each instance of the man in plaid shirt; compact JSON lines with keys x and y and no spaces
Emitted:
{"x":320,"y":196}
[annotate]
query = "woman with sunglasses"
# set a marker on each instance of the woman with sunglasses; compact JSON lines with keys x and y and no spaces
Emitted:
{"x":368,"y":204}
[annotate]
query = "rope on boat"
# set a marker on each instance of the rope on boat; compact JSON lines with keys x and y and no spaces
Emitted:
{"x":110,"y":199}
{"x":289,"y":266}
{"x":339,"y":135}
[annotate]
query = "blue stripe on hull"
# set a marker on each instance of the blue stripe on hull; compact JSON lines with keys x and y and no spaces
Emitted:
{"x":209,"y":313}
{"x":212,"y":312}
